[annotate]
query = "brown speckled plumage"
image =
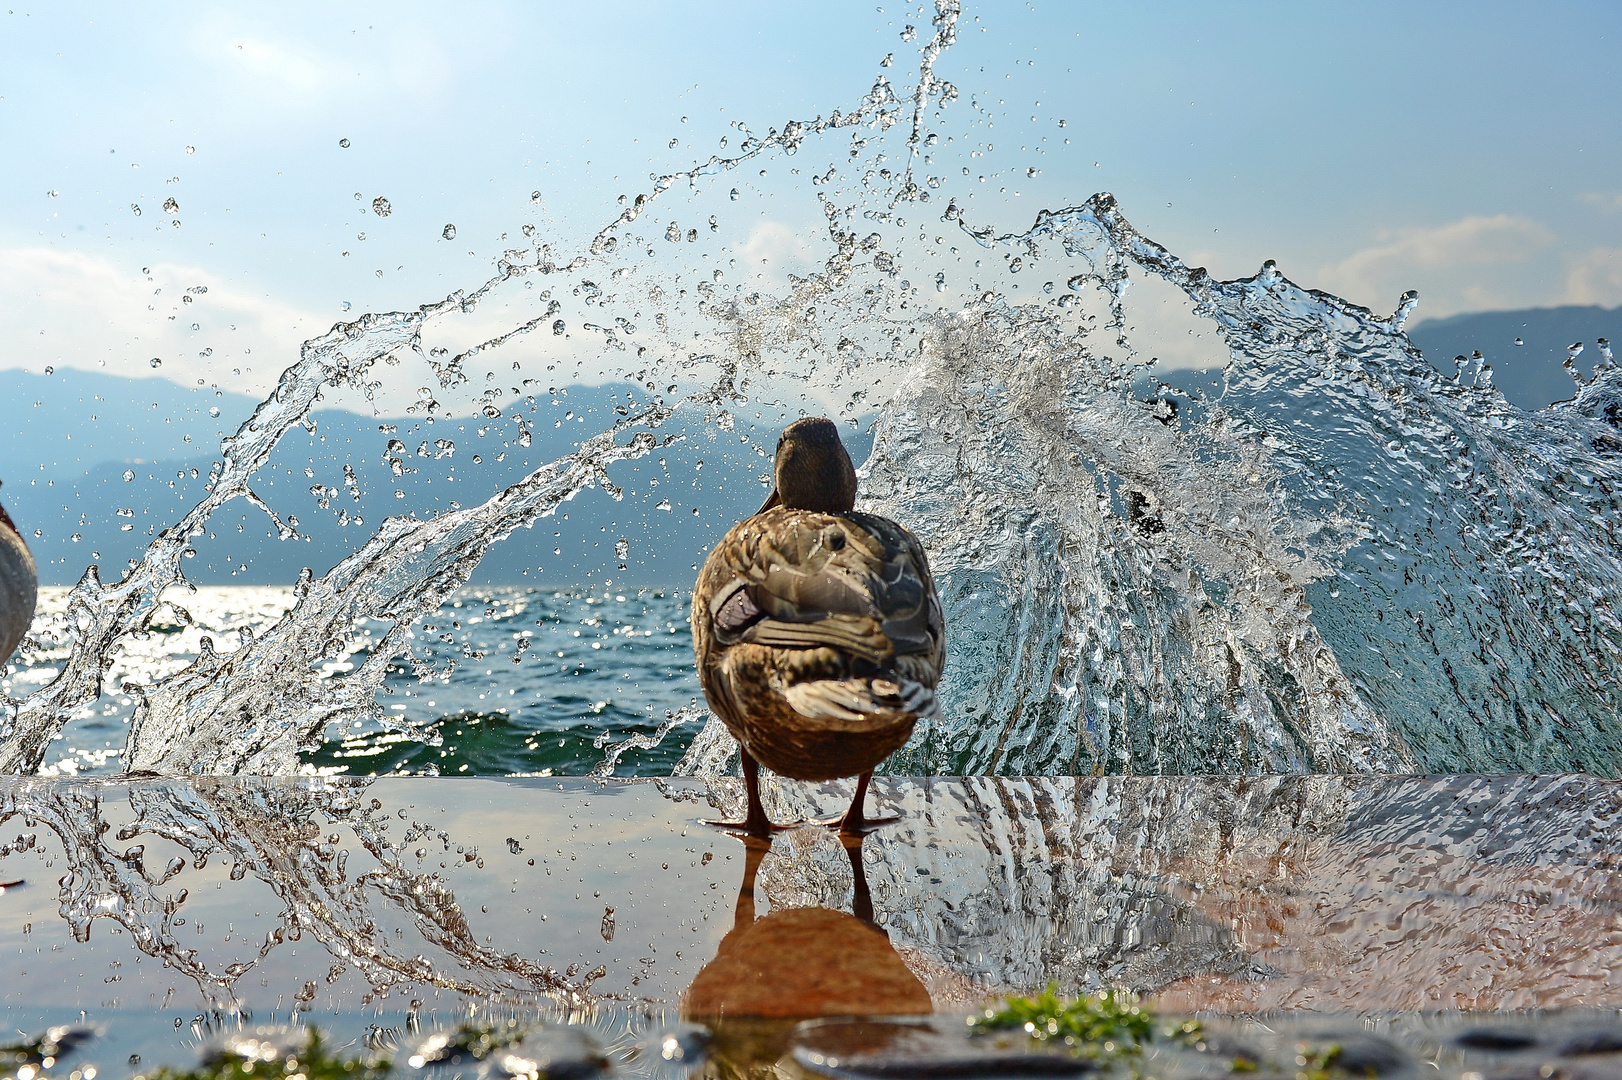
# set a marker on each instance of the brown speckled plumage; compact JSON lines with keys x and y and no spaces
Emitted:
{"x":817,"y":631}
{"x":19,"y":587}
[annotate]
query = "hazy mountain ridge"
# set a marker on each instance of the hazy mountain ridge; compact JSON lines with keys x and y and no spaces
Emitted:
{"x":1530,"y":374}
{"x":73,"y":436}
{"x":114,"y":517}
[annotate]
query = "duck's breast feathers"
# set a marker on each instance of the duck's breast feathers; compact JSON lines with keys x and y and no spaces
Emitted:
{"x":797,"y":579}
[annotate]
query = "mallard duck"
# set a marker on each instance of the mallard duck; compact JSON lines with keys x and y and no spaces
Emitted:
{"x":19,"y":587}
{"x":817,"y":629}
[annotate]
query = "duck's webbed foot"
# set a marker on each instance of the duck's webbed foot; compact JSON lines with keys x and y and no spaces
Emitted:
{"x":755,"y":821}
{"x":853,"y":822}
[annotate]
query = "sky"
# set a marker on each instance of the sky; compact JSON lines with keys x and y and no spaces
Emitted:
{"x":1467,"y":150}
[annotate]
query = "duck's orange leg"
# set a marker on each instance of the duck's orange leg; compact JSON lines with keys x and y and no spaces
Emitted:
{"x":755,"y":821}
{"x":855,"y":822}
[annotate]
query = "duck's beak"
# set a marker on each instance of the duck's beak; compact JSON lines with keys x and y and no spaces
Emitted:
{"x":772,"y":500}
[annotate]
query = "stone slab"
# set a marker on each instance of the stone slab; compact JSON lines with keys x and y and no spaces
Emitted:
{"x":397,"y":901}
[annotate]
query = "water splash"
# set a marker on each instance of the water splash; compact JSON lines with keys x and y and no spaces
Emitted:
{"x":277,"y":831}
{"x":1338,"y":560}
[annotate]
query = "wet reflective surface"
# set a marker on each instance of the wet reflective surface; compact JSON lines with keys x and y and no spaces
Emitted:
{"x":398,"y":902}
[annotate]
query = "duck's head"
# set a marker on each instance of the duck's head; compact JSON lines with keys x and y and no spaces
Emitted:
{"x":812,"y":470}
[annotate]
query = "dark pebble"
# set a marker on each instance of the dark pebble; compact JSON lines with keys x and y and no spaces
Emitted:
{"x":1361,"y":1054}
{"x":1595,"y":1041}
{"x":1499,"y":1040}
{"x":925,"y":1068}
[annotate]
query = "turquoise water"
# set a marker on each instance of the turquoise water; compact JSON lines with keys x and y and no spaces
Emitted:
{"x":504,"y":680}
{"x":540,"y":679}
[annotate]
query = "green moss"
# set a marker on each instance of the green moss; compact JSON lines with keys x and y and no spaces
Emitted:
{"x":312,"y":1062}
{"x":1107,"y":1023}
{"x":1320,"y":1063}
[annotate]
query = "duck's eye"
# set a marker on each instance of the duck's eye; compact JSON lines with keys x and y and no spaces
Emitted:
{"x":836,"y":541}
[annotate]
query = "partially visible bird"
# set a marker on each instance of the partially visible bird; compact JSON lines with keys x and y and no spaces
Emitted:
{"x":19,"y":587}
{"x":817,"y":629}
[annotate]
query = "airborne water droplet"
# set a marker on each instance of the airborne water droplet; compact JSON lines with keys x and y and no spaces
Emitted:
{"x":733,"y":195}
{"x":170,"y":206}
{"x":558,"y":327}
{"x":1518,"y":341}
{"x":382,"y":207}
{"x":448,"y":232}
{"x":214,"y":410}
{"x":344,"y":143}
{"x":135,"y":208}
{"x":156,"y":362}
{"x":191,"y":150}
{"x":129,"y":476}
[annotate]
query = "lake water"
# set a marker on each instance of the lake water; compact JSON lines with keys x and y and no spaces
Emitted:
{"x":514,"y":680}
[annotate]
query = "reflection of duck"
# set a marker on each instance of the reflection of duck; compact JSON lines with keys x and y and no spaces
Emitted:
{"x":796,"y":964}
{"x":19,"y":587}
{"x":817,"y":628}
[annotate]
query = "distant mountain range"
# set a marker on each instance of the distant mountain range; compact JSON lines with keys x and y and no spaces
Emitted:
{"x":71,"y":438}
{"x":98,"y":464}
{"x":1530,"y":374}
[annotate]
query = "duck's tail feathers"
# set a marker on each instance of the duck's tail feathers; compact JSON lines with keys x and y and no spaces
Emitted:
{"x":861,"y":699}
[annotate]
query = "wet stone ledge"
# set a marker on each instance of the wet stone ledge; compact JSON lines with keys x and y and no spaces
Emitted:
{"x":167,"y":914}
{"x":612,"y":1041}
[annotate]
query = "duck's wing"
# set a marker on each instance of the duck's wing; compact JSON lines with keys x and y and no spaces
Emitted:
{"x":854,"y":583}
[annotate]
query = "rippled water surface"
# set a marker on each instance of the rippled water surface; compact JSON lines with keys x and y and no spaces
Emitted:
{"x":513,"y":680}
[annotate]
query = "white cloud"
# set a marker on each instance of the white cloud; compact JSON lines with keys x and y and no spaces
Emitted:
{"x":70,"y":309}
{"x":1595,"y":277}
{"x":254,"y":57}
{"x":1446,"y":264}
{"x":1605,"y":200}
{"x":774,"y":250}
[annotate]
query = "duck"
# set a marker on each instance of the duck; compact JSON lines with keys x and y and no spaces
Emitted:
{"x":817,"y":630}
{"x":19,"y":587}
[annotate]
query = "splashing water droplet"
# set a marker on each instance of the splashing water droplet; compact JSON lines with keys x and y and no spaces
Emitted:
{"x":157,"y":363}
{"x":191,"y":150}
{"x":129,"y":476}
{"x":214,"y":411}
{"x":135,"y":208}
{"x":170,"y":206}
{"x":344,"y":143}
{"x":558,"y":327}
{"x":733,"y":195}
{"x":448,"y":232}
{"x":382,"y":207}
